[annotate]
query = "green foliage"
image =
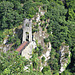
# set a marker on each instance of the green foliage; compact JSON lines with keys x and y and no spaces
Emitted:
{"x":43,"y":1}
{"x":46,"y":69}
{"x":56,"y":13}
{"x":48,"y":72}
{"x":46,"y":40}
{"x":8,"y":17}
{"x":42,"y":18}
{"x":11,"y":63}
{"x":11,"y":38}
{"x":30,"y":9}
{"x":15,"y":40}
{"x":66,"y":55}
{"x":53,"y":61}
{"x":43,"y":59}
{"x":36,"y":0}
{"x":66,"y":72}
{"x":71,"y":10}
{"x":23,"y":1}
{"x":38,"y":50}
{"x":35,"y":61}
{"x":62,"y":27}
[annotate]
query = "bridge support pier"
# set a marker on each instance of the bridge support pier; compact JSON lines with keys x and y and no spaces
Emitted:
{"x":27,"y":28}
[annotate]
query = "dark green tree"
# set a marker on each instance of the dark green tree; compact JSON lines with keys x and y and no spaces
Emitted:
{"x":11,"y":63}
{"x":8,"y":17}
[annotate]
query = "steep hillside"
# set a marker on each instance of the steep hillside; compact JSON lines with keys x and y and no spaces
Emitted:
{"x":53,"y":31}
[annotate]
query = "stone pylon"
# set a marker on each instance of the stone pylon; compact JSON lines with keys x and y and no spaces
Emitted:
{"x":27,"y":28}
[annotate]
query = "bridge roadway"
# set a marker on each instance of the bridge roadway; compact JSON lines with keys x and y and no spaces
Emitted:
{"x":22,"y":46}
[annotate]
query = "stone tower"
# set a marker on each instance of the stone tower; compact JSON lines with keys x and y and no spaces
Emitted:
{"x":27,"y":28}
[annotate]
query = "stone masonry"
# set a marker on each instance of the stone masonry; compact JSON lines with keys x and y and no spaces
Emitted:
{"x":27,"y":27}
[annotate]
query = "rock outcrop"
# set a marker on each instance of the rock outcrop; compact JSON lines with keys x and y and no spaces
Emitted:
{"x":64,"y":57}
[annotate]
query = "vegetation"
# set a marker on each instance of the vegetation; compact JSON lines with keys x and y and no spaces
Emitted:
{"x":11,"y":63}
{"x":38,"y":50}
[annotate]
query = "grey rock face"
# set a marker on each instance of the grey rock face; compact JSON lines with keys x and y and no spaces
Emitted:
{"x":64,"y":60}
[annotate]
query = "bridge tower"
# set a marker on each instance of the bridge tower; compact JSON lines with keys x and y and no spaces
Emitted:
{"x":27,"y":30}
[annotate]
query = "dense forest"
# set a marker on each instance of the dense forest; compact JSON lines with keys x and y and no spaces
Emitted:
{"x":62,"y":25}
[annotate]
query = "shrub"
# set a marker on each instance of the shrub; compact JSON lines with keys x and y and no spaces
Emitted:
{"x":46,"y":68}
{"x":66,"y":55}
{"x":43,"y":59}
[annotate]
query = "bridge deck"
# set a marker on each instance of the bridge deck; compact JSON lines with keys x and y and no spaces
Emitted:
{"x":22,"y":46}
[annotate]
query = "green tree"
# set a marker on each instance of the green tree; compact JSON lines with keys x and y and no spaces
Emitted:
{"x":66,"y":72}
{"x":46,"y":70}
{"x":35,"y":61}
{"x":11,"y":63}
{"x":8,"y":17}
{"x":30,"y":9}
